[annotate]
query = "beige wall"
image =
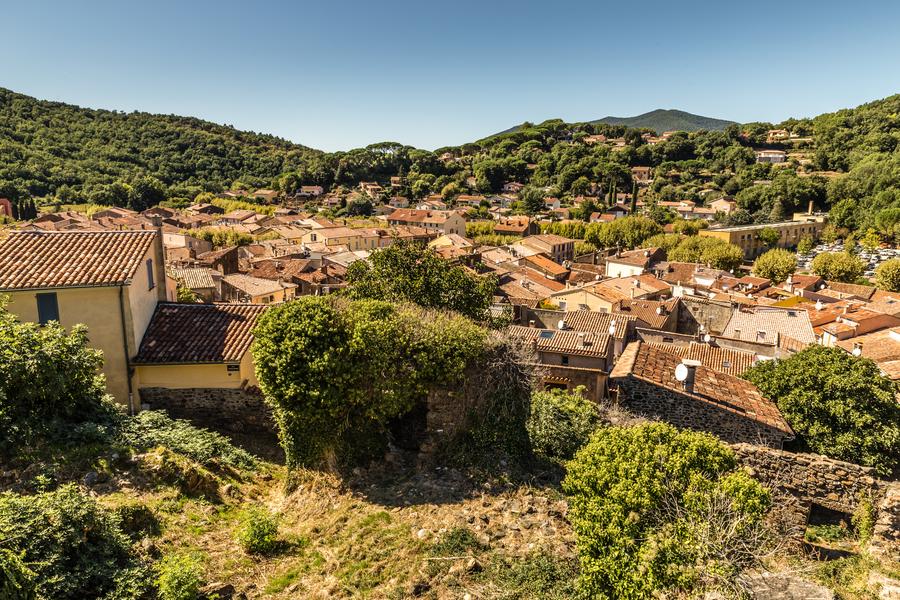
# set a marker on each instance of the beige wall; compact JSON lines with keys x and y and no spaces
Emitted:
{"x":576,"y":297}
{"x":96,"y":307}
{"x":616,"y":269}
{"x":186,"y":376}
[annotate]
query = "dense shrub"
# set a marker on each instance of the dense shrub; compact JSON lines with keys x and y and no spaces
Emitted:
{"x":16,"y":579}
{"x":658,"y":510}
{"x":710,"y":251}
{"x":151,"y":428}
{"x":330,"y":367}
{"x":842,"y":406}
{"x":48,"y":381}
{"x":179,"y":577}
{"x":74,"y":546}
{"x":560,"y":422}
{"x":258,"y":533}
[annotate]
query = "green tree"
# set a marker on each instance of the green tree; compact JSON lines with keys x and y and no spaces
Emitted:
{"x":775,"y":265}
{"x":532,"y":199}
{"x":871,"y":241}
{"x":805,"y":245}
{"x":838,"y":266}
{"x":887,"y":275}
{"x":658,"y":511}
{"x":146,"y":192}
{"x":841,"y":406}
{"x":408,"y":272}
{"x":769,"y":236}
{"x":710,"y":251}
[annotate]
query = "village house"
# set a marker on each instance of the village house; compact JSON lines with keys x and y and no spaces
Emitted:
{"x":195,"y":362}
{"x":177,"y":239}
{"x":558,"y":248}
{"x":568,"y":359}
{"x":651,"y":381}
{"x":110,"y":281}
{"x":723,"y":205}
{"x":205,"y":283}
{"x":642,"y":174}
{"x":512,"y":187}
{"x":770,"y":326}
{"x":518,"y":225}
{"x":435,"y":221}
{"x":204,"y":208}
{"x":633,"y":262}
{"x":882,"y":347}
{"x":245,"y":289}
{"x":771,"y":156}
{"x":310,"y":191}
{"x":605,"y":295}
{"x":267,"y":196}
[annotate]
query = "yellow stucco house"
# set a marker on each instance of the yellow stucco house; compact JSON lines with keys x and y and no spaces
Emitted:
{"x":190,"y":346}
{"x":110,"y":281}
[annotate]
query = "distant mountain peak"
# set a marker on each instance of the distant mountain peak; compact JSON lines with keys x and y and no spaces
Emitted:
{"x":669,"y":119}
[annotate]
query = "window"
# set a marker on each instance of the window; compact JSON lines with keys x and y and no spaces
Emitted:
{"x":47,"y":307}
{"x":150,"y":280}
{"x":565,"y":359}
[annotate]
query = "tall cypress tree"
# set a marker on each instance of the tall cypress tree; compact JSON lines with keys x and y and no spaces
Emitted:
{"x":634,"y":193}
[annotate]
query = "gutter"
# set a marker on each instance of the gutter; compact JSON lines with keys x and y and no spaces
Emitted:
{"x":128,"y":369}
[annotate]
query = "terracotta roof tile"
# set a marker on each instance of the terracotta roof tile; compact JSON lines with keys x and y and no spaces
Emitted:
{"x":52,"y":259}
{"x":198,"y":333}
{"x":656,"y":366}
{"x":726,"y":360}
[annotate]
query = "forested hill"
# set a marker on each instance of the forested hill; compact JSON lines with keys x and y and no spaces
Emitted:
{"x":669,"y":120}
{"x":52,"y":147}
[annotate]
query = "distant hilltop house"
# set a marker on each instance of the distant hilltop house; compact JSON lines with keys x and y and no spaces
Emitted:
{"x":642,"y":174}
{"x":110,"y":281}
{"x":771,"y":156}
{"x":5,"y":208}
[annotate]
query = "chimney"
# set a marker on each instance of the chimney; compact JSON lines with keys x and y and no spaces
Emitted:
{"x":691,"y":368}
{"x":581,"y":340}
{"x":810,"y":211}
{"x":531,"y":323}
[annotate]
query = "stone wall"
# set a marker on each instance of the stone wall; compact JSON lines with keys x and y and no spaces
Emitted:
{"x":803,"y":480}
{"x":236,"y":410}
{"x":682,"y":410}
{"x":713,"y":315}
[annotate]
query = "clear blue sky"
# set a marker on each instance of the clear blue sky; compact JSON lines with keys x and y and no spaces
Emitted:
{"x":340,"y":74}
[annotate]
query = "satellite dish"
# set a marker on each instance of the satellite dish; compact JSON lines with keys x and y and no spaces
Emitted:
{"x":612,"y":328}
{"x":707,"y":338}
{"x":857,"y":351}
{"x":681,"y":372}
{"x":819,"y":305}
{"x":561,"y":325}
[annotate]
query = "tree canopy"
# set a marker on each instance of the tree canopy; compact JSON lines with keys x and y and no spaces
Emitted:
{"x":841,"y":405}
{"x":410,"y":272}
{"x":775,"y":265}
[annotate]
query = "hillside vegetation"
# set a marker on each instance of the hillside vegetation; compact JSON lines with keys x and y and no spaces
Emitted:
{"x":71,"y":152}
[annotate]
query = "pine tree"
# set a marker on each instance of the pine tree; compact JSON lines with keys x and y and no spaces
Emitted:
{"x":634,"y":193}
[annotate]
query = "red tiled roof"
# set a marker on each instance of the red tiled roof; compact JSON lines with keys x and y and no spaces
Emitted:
{"x":52,"y":259}
{"x":656,"y":366}
{"x":199,"y":333}
{"x":726,"y":360}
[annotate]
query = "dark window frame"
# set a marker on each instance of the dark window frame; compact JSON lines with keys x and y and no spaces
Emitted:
{"x":44,"y":316}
